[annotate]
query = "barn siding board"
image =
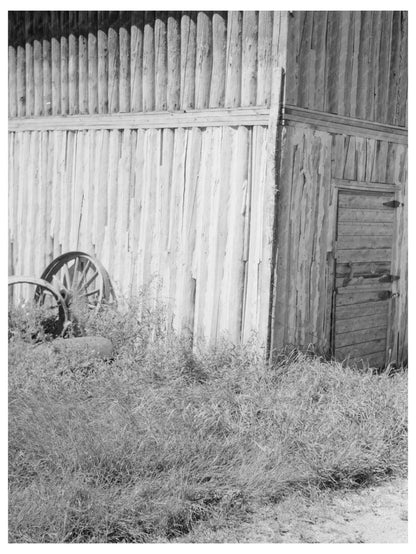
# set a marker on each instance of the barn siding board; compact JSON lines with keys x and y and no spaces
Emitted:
{"x":102,"y":62}
{"x":136,"y":61}
{"x":233,"y":60}
{"x":188,"y":59}
{"x":64,"y":58}
{"x":83,"y":64}
{"x":203,"y":60}
{"x":92,"y":63}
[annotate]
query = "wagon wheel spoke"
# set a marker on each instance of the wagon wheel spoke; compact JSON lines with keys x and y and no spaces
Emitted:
{"x":75,"y":273}
{"x":88,"y":283}
{"x":66,"y":278}
{"x":96,"y":291}
{"x":83,"y":274}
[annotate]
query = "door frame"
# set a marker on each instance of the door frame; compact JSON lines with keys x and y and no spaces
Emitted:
{"x":337,"y":186}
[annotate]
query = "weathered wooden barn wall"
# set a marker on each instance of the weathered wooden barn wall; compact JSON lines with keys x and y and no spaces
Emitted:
{"x":109,"y":62}
{"x":155,"y":140}
{"x":307,"y":229}
{"x":349,"y":63}
{"x":175,"y":204}
{"x":344,"y":129}
{"x":187,"y":199}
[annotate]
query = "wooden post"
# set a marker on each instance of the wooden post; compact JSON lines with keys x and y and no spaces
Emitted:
{"x":232,"y":286}
{"x":401,"y":109}
{"x":203,"y":60}
{"x":125,"y":22}
{"x":92,"y":63}
{"x":373,"y":91}
{"x":265,"y":37}
{"x":148,"y":63}
{"x":355,"y":63}
{"x":83,"y":62}
{"x":275,"y":144}
{"x":47,"y":64}
{"x":173,"y":61}
{"x":30,"y":81}
{"x":363,"y":64}
{"x":113,"y":64}
{"x":136,"y":61}
{"x":333,"y":59}
{"x":12,"y":65}
{"x":346,"y":63}
{"x":249,"y":59}
{"x":306,"y":63}
{"x":219,"y":48}
{"x":64,"y":16}
{"x":233,"y":61}
{"x":56,"y":63}
{"x":383,"y":76}
{"x":188,"y":55}
{"x":160,"y":61}
{"x":21,"y":69}
{"x":73,"y":68}
{"x":37,"y":64}
{"x":102,"y":66}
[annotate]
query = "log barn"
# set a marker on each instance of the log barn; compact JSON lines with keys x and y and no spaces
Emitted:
{"x":255,"y":163}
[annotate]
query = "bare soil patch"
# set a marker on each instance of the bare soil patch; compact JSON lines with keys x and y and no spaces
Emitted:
{"x":376,"y":514}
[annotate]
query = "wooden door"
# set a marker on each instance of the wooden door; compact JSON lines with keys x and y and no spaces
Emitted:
{"x":363,"y":280}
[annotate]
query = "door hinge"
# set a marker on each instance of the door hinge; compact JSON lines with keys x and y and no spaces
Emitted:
{"x":389,"y":278}
{"x":393,"y":204}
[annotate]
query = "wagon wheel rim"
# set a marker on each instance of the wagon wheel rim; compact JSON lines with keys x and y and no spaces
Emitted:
{"x":80,"y":277}
{"x":44,"y":292}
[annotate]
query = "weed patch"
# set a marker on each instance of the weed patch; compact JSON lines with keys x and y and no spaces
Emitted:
{"x":165,"y":437}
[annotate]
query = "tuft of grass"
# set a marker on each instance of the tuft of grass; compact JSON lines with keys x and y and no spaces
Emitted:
{"x":167,"y":438}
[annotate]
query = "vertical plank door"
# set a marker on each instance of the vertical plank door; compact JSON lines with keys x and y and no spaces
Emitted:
{"x":363,"y":280}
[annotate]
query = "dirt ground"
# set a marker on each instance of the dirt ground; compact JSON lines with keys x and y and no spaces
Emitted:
{"x":373,"y":515}
{"x":376,"y":514}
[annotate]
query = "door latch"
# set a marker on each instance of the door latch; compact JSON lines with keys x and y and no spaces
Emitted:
{"x":393,"y":204}
{"x":384,"y":294}
{"x":387,"y":278}
{"x":348,"y":276}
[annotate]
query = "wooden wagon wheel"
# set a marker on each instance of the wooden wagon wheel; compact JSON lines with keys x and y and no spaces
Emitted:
{"x":56,"y":315}
{"x":81,"y":279}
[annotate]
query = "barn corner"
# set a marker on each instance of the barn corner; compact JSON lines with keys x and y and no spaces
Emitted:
{"x":255,"y":162}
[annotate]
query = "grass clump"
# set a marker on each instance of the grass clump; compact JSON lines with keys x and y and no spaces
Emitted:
{"x":165,"y":437}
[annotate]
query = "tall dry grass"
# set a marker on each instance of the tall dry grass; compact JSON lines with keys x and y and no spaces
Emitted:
{"x":141,"y":448}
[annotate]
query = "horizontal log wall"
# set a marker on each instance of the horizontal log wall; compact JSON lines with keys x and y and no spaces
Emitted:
{"x":311,"y":159}
{"x":349,"y":63}
{"x":182,"y":207}
{"x":113,"y":62}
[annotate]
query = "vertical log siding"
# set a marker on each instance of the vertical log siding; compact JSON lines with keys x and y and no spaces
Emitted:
{"x":171,"y":206}
{"x":110,"y":62}
{"x":349,"y":63}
